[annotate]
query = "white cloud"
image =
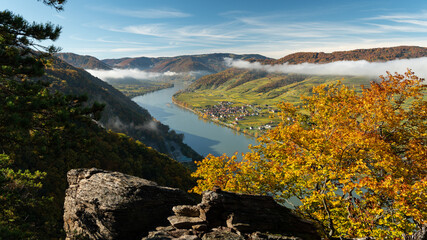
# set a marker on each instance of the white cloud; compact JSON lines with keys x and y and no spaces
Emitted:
{"x":137,"y":74}
{"x":156,"y":30}
{"x":415,"y":22}
{"x":59,"y":16}
{"x":274,"y":35}
{"x":153,"y":13}
{"x":188,"y":33}
{"x":126,"y":73}
{"x":356,"y":68}
{"x":146,"y":13}
{"x":399,"y":16}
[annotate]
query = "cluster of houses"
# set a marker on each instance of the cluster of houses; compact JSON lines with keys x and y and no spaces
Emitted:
{"x":225,"y":110}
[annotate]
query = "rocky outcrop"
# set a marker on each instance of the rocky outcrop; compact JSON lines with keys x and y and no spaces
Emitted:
{"x":420,"y":235}
{"x":225,"y":215}
{"x":111,"y":205}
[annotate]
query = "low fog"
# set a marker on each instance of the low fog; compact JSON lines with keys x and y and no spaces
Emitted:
{"x":131,"y":75}
{"x":356,"y":68}
{"x":128,"y":73}
{"x":116,"y":123}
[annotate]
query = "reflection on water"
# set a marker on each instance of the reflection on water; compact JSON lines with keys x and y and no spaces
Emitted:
{"x":203,"y":136}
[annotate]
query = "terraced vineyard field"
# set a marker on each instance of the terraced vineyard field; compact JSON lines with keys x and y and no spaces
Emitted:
{"x":258,"y":94}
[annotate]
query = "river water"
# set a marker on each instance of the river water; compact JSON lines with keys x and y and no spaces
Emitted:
{"x":203,"y":136}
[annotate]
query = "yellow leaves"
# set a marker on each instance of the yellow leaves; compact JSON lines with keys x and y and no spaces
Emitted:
{"x":356,"y":160}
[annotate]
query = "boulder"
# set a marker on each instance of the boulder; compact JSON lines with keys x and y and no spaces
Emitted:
{"x":112,"y":205}
{"x":225,"y":215}
{"x":219,"y":234}
{"x":186,"y":210}
{"x":419,"y":235}
{"x":253,"y":213}
{"x":184,"y":222}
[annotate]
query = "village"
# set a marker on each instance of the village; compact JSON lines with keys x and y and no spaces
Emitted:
{"x":232,"y":115}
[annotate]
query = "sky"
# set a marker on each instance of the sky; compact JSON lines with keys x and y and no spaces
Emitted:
{"x":155,"y":28}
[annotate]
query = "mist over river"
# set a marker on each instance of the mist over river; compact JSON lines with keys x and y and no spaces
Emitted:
{"x":203,"y":136}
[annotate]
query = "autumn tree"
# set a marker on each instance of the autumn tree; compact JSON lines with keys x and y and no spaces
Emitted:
{"x":353,"y":163}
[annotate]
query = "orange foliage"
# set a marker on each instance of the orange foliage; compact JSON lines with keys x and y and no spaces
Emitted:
{"x":356,"y":162}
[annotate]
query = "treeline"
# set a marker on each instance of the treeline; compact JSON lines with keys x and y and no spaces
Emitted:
{"x":205,"y":62}
{"x":233,"y":77}
{"x":246,"y":77}
{"x":215,"y":80}
{"x":86,"y":62}
{"x":44,"y":133}
{"x":283,"y":81}
{"x":138,"y":89}
{"x":371,"y":55}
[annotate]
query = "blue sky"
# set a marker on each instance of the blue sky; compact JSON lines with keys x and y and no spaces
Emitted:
{"x":122,"y":28}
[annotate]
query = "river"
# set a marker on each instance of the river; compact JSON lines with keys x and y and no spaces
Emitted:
{"x":203,"y":136}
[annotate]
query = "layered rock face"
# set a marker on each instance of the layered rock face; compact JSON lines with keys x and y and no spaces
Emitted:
{"x":225,"y":215}
{"x":420,"y":235}
{"x":111,"y":205}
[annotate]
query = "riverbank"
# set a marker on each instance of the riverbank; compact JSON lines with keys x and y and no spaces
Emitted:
{"x":132,"y":90}
{"x":202,"y":116}
{"x":206,"y":137}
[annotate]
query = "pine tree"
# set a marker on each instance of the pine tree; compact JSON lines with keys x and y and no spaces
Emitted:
{"x":29,"y":116}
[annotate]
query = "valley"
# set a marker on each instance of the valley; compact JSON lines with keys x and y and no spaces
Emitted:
{"x":287,"y":119}
{"x":140,"y":88}
{"x":246,"y":100}
{"x":204,"y":136}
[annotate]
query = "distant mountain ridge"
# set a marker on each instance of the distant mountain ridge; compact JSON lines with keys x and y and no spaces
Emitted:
{"x":204,"y":62}
{"x":371,"y":55}
{"x":83,"y":61}
{"x":214,"y":62}
{"x":235,"y":77}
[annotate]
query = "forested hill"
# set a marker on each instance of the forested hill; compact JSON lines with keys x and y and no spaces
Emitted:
{"x":204,"y":62}
{"x":80,"y":61}
{"x":234,"y":77}
{"x":245,"y":83}
{"x":120,"y":113}
{"x":371,"y":55}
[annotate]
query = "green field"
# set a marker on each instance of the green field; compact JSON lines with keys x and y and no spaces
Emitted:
{"x":140,"y":88}
{"x":248,"y":93}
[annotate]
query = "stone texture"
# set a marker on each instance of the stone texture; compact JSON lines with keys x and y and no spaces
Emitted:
{"x":266,"y":236}
{"x":186,"y":210}
{"x":225,"y":215}
{"x":182,"y":222}
{"x":111,"y":205}
{"x":171,"y":234}
{"x":420,"y":235}
{"x":189,"y":237}
{"x":200,"y":227}
{"x":251,"y":213}
{"x":222,"y":235}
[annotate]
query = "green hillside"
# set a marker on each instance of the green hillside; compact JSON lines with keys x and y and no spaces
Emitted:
{"x":120,"y":114}
{"x":259,"y":91}
{"x":139,"y":88}
{"x":44,"y":130}
{"x":204,"y":62}
{"x":80,"y":61}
